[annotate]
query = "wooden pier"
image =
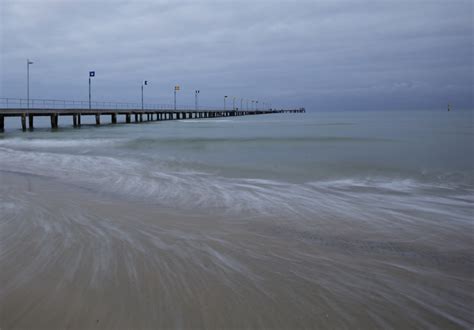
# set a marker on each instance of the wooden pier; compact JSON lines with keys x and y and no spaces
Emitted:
{"x":128,"y":115}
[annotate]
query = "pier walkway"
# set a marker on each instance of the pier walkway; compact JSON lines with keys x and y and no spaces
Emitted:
{"x":129,"y":115}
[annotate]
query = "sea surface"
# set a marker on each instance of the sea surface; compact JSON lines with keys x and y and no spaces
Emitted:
{"x":318,"y":220}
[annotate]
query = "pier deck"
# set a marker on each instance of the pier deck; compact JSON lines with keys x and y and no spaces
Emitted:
{"x":27,"y":115}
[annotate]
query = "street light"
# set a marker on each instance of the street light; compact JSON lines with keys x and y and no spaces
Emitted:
{"x":143,"y":84}
{"x":225,"y":97}
{"x":196,"y":92}
{"x":247,"y":105}
{"x":176,"y":88}
{"x":233,"y":102}
{"x":241,"y":100}
{"x":253,"y":104}
{"x":256,"y":105}
{"x":91,"y":74}
{"x":28,"y":62}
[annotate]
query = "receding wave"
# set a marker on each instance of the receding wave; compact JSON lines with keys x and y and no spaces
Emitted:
{"x":146,"y":142}
{"x":20,"y":143}
{"x":189,"y":189}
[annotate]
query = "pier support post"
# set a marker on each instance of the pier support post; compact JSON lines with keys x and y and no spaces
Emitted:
{"x":113,"y":118}
{"x":97,"y":119}
{"x":136,"y":117}
{"x":79,"y":120}
{"x":23,"y":121}
{"x":127,"y":118}
{"x":74,"y":120}
{"x":2,"y":123}
{"x":54,"y":120}
{"x":30,"y":121}
{"x":141,"y":117}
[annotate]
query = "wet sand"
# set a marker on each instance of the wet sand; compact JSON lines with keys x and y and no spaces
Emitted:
{"x":79,"y":259}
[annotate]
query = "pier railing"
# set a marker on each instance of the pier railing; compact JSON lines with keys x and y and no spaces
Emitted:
{"x":19,"y":103}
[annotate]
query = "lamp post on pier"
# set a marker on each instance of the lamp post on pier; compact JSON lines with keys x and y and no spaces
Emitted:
{"x":143,"y":84}
{"x":256,"y":105}
{"x":233,"y":103}
{"x":28,"y":62}
{"x":241,"y":101}
{"x":196,"y":94}
{"x":176,"y":88}
{"x":225,"y":98}
{"x":91,"y":74}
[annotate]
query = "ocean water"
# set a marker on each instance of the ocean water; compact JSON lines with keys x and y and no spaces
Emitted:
{"x":323,"y":219}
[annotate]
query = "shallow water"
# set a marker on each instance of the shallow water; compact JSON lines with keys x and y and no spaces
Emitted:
{"x":338,"y":220}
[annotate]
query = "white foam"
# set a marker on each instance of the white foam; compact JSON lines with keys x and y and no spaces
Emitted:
{"x":54,"y":143}
{"x":207,"y":121}
{"x":190,"y":189}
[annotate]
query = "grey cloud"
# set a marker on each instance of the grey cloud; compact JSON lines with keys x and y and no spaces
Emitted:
{"x":319,"y":54}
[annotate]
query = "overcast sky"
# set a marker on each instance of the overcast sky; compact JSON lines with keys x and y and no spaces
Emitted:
{"x":321,"y":54}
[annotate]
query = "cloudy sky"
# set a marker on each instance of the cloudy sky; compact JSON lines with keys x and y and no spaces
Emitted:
{"x":321,"y":54}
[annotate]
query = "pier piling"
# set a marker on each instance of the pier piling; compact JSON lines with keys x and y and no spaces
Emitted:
{"x":30,"y":121}
{"x":23,"y":121}
{"x":54,"y":120}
